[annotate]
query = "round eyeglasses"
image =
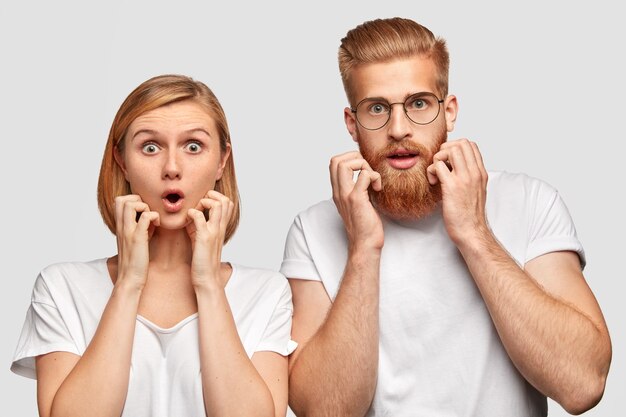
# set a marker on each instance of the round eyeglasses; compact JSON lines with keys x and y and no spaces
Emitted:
{"x":420,"y":108}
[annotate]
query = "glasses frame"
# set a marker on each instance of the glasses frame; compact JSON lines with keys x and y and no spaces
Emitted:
{"x":420,"y":94}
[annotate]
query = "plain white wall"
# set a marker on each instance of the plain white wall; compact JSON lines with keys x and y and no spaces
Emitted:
{"x":540,"y":86}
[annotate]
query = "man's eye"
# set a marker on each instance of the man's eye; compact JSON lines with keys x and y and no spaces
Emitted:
{"x":150,"y":148}
{"x":418,"y":104}
{"x":378,"y":108}
{"x":193,"y":147}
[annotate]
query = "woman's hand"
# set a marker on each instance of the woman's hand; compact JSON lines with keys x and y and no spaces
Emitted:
{"x":207,"y":238}
{"x":134,"y":223}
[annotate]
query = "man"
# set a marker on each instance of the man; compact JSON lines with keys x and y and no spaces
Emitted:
{"x":430,"y":288}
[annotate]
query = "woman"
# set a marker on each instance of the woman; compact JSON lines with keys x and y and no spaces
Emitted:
{"x":164,"y":328}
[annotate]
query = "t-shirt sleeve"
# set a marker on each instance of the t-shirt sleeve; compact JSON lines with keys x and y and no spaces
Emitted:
{"x":552,"y":228}
{"x":277,"y":334}
{"x":44,"y":331}
{"x":297,"y":262}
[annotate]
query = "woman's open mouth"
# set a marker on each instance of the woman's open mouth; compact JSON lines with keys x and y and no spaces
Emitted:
{"x":172,"y":200}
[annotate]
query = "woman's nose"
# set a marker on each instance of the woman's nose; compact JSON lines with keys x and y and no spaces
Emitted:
{"x":171,"y":167}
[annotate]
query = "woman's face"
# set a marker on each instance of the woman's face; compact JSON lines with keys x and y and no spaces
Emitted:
{"x":172,"y":158}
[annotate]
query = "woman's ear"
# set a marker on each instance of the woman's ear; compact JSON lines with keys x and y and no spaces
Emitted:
{"x":119,"y":159}
{"x":223,"y":159}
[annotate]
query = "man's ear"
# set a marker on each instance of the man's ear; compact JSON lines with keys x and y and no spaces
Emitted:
{"x":119,"y":159}
{"x":223,"y":159}
{"x":350,"y":119}
{"x":451,"y":109}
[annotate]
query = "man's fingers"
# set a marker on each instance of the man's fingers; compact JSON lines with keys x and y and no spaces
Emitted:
{"x":479,"y":159}
{"x":431,"y":173}
{"x":367,"y":178}
{"x":345,"y":173}
{"x":337,"y":161}
{"x":441,"y":171}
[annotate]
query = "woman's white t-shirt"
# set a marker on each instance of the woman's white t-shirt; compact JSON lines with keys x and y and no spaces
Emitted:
{"x":69,"y":298}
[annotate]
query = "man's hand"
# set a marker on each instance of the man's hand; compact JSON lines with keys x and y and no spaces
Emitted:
{"x":458,"y":166}
{"x":362,"y":222}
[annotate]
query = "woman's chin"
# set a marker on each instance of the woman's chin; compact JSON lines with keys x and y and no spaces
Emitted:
{"x":172,"y":224}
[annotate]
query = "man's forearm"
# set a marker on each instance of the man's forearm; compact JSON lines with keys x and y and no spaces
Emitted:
{"x":335,"y":374}
{"x":558,"y":348}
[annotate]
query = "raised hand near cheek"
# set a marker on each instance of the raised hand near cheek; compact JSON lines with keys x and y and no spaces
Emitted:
{"x":207,"y":238}
{"x":459,"y":168}
{"x":135,"y":224}
{"x":362,"y":222}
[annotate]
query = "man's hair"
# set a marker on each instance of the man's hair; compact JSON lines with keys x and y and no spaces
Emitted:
{"x":152,"y":94}
{"x":383,"y":40}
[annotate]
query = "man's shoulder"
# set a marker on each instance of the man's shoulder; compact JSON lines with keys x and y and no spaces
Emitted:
{"x":322,"y":216}
{"x":321,"y":222}
{"x":322,"y":209}
{"x":504,"y":182}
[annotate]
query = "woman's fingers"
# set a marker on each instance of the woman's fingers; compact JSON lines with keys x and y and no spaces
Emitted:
{"x":226,"y":208}
{"x":147,"y":218}
{"x":120,"y":204}
{"x":131,"y":208}
{"x":220,"y":210}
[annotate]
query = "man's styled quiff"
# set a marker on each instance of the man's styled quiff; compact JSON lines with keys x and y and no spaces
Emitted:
{"x":383,"y":40}
{"x":152,"y":94}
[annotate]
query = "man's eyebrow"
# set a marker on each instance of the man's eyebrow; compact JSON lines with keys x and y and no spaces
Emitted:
{"x":376,"y":98}
{"x":406,"y":96}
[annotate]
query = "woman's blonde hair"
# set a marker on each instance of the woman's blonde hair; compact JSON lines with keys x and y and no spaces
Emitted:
{"x":383,"y":40}
{"x":151,"y":94}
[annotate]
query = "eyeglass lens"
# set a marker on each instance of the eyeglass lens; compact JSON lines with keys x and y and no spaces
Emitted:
{"x":420,"y":108}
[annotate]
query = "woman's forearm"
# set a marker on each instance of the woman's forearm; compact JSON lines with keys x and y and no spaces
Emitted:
{"x":98,"y":383}
{"x":231,"y":384}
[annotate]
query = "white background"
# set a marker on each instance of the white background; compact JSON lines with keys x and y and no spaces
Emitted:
{"x":540,"y":86}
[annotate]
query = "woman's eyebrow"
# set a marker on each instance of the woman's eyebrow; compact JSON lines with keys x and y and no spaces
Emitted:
{"x":198,"y":129}
{"x":147,"y":131}
{"x":156,"y":133}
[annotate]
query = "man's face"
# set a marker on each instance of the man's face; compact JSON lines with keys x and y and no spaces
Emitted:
{"x":401,"y":150}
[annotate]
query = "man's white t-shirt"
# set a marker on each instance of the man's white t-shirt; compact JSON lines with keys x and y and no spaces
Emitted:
{"x":69,"y":298}
{"x":440,"y":354}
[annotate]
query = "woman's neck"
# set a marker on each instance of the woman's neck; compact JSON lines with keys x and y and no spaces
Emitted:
{"x":170,"y":248}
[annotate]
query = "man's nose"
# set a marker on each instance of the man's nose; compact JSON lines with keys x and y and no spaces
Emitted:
{"x":399,"y":126}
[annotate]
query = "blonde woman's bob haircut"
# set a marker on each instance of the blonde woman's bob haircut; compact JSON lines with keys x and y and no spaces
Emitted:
{"x":152,"y":94}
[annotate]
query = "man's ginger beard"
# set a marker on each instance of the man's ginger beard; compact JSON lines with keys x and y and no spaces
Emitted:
{"x":406,"y":193}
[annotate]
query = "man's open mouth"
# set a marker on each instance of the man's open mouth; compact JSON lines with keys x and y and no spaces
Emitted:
{"x":402,"y":158}
{"x":402,"y":155}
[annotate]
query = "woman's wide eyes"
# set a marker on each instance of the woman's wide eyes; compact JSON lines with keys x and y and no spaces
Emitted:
{"x":193,"y":147}
{"x":150,"y":148}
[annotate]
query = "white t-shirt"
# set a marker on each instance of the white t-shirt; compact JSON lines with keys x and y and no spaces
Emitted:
{"x":69,"y":298}
{"x":440,"y":354}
